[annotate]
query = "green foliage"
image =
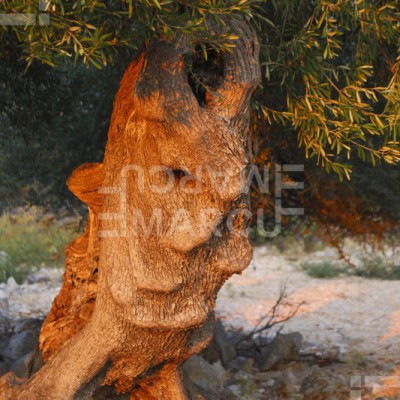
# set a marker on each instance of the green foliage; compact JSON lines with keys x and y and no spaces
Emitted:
{"x":28,"y":241}
{"x":333,"y":67}
{"x":373,"y":267}
{"x":324,"y":269}
{"x":331,"y":77}
{"x":94,"y":31}
{"x":379,"y":268}
{"x":51,"y":121}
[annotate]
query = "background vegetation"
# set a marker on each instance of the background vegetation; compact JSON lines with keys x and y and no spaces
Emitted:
{"x":30,"y":239}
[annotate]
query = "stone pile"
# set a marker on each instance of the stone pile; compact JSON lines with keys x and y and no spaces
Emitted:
{"x":234,"y":366}
{"x":282,"y":368}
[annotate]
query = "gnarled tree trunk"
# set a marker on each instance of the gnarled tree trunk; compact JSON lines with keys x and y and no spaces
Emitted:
{"x":140,"y":284}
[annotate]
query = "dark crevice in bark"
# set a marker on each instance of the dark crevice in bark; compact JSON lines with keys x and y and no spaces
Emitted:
{"x":205,"y":74}
{"x":179,"y":174}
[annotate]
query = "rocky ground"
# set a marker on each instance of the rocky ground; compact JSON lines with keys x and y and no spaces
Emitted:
{"x":343,"y":343}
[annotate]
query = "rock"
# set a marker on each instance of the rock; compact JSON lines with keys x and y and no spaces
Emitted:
{"x":21,"y":344}
{"x":220,"y":348}
{"x":28,"y":324}
{"x":288,"y":384}
{"x":39,"y":277}
{"x":21,"y":367}
{"x":268,"y":384}
{"x":5,"y":325}
{"x":4,"y":306}
{"x":330,"y":353}
{"x":11,"y":284}
{"x":283,"y":348}
{"x":202,"y":378}
{"x":325,"y":385}
{"x":233,"y":392}
{"x":323,"y":353}
{"x":267,"y":376}
{"x":245,"y":364}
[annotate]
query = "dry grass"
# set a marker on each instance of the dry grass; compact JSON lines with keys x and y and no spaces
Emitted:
{"x":30,"y":239}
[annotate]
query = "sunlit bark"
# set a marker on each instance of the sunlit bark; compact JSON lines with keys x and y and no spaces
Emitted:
{"x":143,"y":296}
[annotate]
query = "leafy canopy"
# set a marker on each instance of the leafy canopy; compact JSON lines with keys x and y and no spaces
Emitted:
{"x":331,"y":68}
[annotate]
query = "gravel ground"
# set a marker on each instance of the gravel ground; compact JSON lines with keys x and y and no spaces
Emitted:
{"x":356,"y":314}
{"x":357,"y":320}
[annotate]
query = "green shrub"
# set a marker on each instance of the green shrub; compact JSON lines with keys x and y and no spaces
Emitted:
{"x":28,"y":241}
{"x":324,"y":269}
{"x":379,"y":268}
{"x":374,"y":267}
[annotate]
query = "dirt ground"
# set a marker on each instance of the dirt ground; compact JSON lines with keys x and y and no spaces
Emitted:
{"x":360,"y":316}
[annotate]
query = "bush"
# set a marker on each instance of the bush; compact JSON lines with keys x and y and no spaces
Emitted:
{"x":374,"y":267}
{"x":378,"y":268}
{"x":324,"y":269}
{"x":29,"y":240}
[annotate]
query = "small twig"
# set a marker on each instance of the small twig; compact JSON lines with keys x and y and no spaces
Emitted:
{"x":273,"y":318}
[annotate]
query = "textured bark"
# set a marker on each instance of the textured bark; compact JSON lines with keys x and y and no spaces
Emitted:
{"x":146,"y":301}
